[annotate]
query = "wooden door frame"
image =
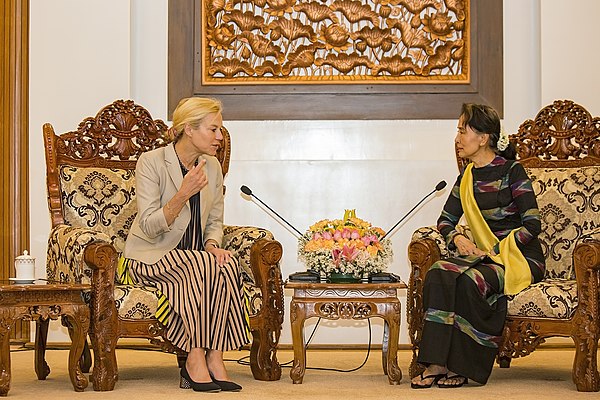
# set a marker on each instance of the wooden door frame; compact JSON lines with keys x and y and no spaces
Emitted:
{"x":14,"y":134}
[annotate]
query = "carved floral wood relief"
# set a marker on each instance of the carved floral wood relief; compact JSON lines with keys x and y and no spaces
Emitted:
{"x":335,"y":41}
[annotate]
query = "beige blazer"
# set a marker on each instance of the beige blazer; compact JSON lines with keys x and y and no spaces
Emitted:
{"x":157,"y":178}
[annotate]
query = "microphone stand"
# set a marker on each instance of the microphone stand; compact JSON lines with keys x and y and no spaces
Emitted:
{"x":439,"y":186}
{"x":249,"y":193}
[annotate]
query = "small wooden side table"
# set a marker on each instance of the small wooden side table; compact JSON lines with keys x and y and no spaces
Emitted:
{"x":42,"y":302}
{"x":346,"y":301}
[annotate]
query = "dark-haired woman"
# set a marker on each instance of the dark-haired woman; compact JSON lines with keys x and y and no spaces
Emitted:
{"x":464,"y":303}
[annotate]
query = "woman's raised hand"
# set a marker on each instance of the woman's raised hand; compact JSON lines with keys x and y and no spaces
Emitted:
{"x":194,"y":181}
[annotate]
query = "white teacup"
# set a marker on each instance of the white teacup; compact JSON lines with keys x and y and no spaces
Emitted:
{"x":25,"y":267}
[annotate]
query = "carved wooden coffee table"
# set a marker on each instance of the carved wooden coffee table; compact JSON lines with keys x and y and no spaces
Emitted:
{"x":356,"y":301}
{"x":42,"y":302}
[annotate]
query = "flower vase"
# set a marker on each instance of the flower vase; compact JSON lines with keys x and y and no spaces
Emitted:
{"x":342,"y":278}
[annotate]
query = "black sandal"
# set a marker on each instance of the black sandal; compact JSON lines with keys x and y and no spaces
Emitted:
{"x":433,"y":382}
{"x":461,"y":381}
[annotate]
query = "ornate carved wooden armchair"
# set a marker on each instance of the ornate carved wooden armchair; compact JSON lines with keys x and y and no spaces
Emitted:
{"x":560,"y":149}
{"x":91,"y":196}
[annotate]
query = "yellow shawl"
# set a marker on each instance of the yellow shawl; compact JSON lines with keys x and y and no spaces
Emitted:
{"x":517,"y":275}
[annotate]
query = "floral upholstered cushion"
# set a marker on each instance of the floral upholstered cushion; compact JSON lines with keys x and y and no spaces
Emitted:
{"x":136,"y":302}
{"x":99,"y":198}
{"x":253,"y":297}
{"x":431,"y":232}
{"x":64,"y":258}
{"x":550,"y":298}
{"x":239,"y":240}
{"x":568,"y":202}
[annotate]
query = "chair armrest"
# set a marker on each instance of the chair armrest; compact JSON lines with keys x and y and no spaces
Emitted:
{"x":102,"y":257}
{"x":65,"y":256}
{"x":586,"y":260}
{"x":265,"y":255}
{"x":426,"y":247}
{"x":585,"y":256}
{"x":265,"y":326}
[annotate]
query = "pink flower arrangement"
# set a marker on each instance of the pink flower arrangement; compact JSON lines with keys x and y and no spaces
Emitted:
{"x":347,"y":246}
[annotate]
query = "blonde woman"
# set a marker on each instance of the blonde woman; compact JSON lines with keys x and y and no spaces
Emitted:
{"x":175,"y":245}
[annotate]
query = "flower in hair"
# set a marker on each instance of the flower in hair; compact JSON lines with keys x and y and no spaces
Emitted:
{"x":502,"y":141}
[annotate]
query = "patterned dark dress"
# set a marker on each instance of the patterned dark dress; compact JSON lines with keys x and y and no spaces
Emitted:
{"x":464,"y":306}
{"x":205,"y":301}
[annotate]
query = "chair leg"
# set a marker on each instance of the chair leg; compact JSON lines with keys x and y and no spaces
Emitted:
{"x":263,"y":355}
{"x":585,"y":365}
{"x":42,"y":369}
{"x":105,"y":372}
{"x":86,"y":358}
{"x":415,"y":368}
{"x":504,"y":362}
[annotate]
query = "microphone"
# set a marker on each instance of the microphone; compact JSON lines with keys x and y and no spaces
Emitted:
{"x":438,"y":187}
{"x":247,"y":191}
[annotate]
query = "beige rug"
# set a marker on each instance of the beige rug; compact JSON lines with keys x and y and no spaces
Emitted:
{"x":147,"y":375}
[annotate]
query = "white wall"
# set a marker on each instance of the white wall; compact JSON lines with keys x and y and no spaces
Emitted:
{"x":570,"y":55}
{"x":305,"y":170}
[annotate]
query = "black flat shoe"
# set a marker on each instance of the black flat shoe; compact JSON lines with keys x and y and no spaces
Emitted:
{"x":185,"y":382}
{"x":227,"y":386}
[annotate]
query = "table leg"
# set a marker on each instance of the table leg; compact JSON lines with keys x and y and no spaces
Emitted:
{"x":392,"y":323}
{"x":7,"y":317}
{"x":384,"y":346}
{"x":79,"y":317}
{"x":297,"y":318}
{"x":42,"y":369}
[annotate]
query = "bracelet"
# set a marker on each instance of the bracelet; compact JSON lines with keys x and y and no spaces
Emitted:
{"x":170,"y":210}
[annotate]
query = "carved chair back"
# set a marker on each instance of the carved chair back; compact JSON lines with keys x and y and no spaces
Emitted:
{"x":560,"y":150}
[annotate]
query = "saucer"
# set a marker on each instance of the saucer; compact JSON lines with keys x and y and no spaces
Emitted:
{"x":22,"y":281}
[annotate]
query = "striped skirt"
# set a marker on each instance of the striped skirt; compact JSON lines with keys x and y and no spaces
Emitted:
{"x":464,"y":317}
{"x":205,"y":299}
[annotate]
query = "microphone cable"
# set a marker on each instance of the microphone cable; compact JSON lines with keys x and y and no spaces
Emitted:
{"x":287,"y":364}
{"x":242,"y":360}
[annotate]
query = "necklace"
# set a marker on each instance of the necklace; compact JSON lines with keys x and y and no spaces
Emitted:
{"x":183,"y":167}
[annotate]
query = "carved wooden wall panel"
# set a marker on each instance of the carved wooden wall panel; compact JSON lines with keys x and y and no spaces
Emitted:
{"x":337,"y":59}
{"x":334,"y":41}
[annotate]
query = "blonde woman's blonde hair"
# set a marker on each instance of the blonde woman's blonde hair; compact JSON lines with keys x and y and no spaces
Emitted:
{"x":192,"y":111}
